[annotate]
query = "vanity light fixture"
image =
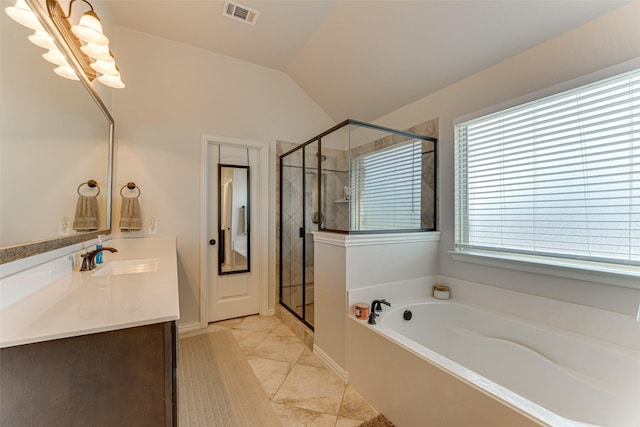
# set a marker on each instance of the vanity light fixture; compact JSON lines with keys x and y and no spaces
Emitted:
{"x":89,"y":29}
{"x":55,"y":57}
{"x":111,"y":80}
{"x":42,"y":39}
{"x":85,"y":40}
{"x":104,"y":66}
{"x":22,"y":14}
{"x":66,"y":71}
{"x":97,"y":51}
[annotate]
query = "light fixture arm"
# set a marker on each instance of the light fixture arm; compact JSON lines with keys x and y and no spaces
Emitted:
{"x":68,"y":15}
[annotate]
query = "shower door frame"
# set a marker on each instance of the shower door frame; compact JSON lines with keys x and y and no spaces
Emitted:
{"x":302,"y":147}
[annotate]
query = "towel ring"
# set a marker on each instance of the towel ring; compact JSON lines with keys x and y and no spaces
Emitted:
{"x":91,"y":184}
{"x":130,"y":186}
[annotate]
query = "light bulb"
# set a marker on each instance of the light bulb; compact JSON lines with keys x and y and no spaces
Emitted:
{"x":22,"y":14}
{"x":67,"y":72}
{"x":55,"y":57}
{"x":111,"y":81}
{"x":43,"y":40}
{"x":89,"y":29}
{"x":105,"y":67}
{"x":97,"y":51}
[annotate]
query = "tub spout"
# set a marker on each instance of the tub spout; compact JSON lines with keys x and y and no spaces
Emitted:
{"x":376,"y":305}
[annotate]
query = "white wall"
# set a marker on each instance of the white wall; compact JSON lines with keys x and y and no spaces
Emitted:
{"x":174,"y":94}
{"x":605,"y":42}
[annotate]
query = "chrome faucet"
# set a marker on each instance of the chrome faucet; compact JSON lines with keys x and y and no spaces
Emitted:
{"x":89,"y":259}
{"x":376,"y":305}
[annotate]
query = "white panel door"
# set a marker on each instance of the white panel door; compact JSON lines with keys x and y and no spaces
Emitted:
{"x":238,"y":294}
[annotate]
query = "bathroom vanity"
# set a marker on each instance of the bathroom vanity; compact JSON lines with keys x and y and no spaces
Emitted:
{"x":92,"y":348}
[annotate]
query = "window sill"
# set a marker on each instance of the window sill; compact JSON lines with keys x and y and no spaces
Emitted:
{"x":610,"y":274}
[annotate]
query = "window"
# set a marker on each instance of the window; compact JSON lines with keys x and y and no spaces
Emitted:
{"x":386,"y":188}
{"x":556,"y":177}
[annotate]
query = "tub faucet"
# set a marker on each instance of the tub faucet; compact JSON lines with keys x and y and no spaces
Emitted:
{"x":376,"y":305}
{"x":89,"y":259}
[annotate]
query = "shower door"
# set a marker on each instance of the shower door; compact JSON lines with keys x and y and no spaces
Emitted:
{"x":299,"y":216}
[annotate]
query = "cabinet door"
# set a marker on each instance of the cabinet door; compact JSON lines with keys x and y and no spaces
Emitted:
{"x":123,"y":377}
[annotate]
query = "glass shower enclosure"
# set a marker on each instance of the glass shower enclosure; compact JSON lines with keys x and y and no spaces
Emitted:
{"x":353,"y":178}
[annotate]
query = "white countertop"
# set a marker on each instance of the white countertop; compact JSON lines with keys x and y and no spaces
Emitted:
{"x":51,"y":301}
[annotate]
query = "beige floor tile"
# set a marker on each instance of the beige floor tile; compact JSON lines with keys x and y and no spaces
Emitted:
{"x":347,"y":422}
{"x":212,"y":327}
{"x":292,"y":416}
{"x":276,"y":347}
{"x":355,"y":407}
{"x":311,"y":388}
{"x":191,"y":333}
{"x":307,"y":358}
{"x":231,"y":323}
{"x":260,"y":323}
{"x":282,"y":330}
{"x":303,"y":392}
{"x":216,"y":327}
{"x":270,"y":373}
{"x":247,"y":339}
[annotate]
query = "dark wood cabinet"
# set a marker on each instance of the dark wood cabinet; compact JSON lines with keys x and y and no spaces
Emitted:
{"x":125,"y":377}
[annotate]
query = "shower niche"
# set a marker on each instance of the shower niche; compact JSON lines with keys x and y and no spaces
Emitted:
{"x":353,"y":178}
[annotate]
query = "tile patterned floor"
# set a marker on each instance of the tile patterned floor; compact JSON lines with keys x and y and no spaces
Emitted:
{"x":302,"y":391}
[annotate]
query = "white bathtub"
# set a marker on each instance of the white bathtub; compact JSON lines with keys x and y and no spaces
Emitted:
{"x":554,"y":376}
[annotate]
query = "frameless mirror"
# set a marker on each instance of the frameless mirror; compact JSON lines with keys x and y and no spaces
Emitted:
{"x":233,"y":219}
{"x":55,"y":139}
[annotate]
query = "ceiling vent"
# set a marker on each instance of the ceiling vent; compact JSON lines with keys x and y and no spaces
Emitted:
{"x":242,"y":13}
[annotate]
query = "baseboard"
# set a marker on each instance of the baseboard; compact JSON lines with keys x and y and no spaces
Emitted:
{"x":188,"y":327}
{"x":331,"y":364}
{"x":270,"y":312}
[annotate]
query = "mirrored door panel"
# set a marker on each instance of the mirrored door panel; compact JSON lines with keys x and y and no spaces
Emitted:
{"x":234,"y":248}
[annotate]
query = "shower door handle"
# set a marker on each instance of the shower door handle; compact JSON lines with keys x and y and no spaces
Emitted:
{"x":301,"y":231}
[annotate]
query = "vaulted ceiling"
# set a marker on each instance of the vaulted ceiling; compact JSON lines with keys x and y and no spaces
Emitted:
{"x":362,"y":59}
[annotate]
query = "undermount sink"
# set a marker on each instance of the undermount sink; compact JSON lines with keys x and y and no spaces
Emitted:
{"x":128,"y":266}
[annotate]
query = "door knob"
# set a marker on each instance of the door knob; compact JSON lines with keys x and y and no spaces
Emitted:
{"x":212,"y":242}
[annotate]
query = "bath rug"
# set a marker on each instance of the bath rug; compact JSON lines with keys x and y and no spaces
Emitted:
{"x":217,"y":387}
{"x":379,"y":421}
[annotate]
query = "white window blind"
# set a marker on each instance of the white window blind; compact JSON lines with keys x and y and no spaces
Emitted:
{"x":559,"y":176}
{"x":386,"y":188}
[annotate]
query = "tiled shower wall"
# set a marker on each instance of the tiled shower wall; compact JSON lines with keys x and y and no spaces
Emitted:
{"x":335,"y":177}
